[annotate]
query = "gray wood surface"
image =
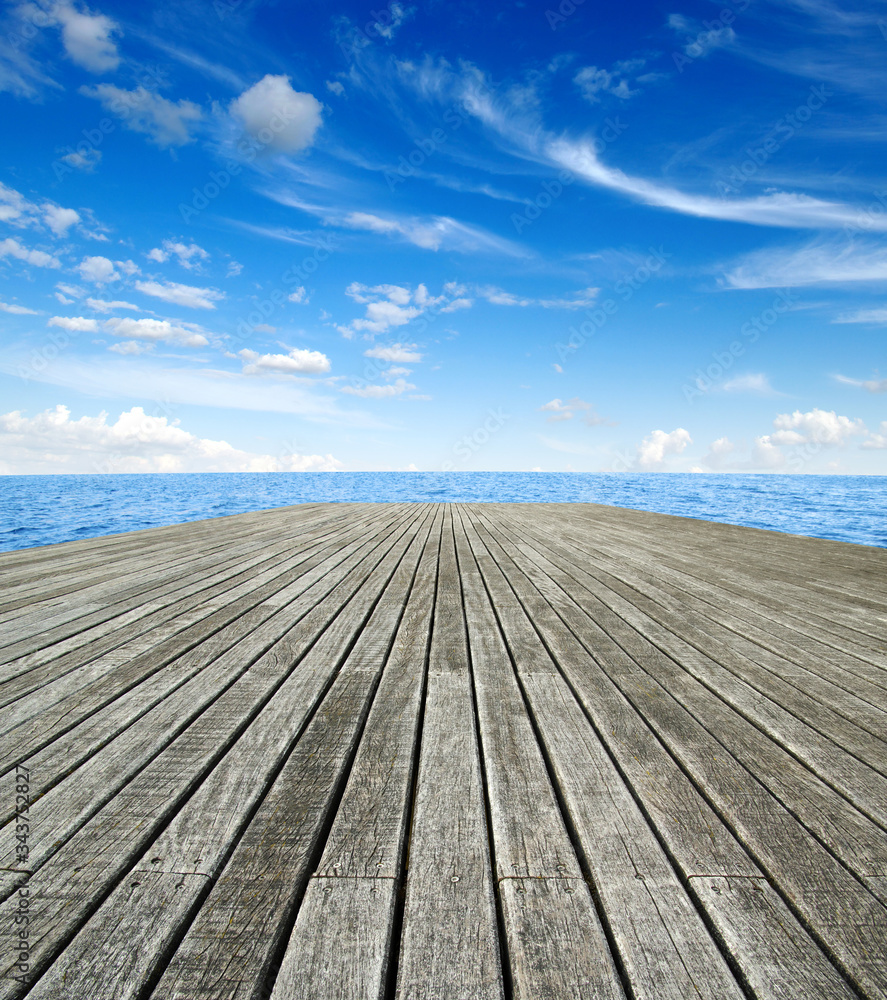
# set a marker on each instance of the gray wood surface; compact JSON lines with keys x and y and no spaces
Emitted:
{"x":435,"y":752}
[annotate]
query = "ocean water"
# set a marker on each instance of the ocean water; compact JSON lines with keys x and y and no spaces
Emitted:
{"x":42,"y":510}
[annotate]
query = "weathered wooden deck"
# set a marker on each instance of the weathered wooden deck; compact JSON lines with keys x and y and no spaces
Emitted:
{"x":445,"y":751}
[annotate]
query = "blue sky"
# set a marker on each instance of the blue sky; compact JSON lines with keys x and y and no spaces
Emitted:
{"x":250,"y":236}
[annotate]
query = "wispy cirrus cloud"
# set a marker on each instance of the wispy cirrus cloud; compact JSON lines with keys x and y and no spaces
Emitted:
{"x":181,"y":295}
{"x":875,"y":317}
{"x":821,"y":262}
{"x":429,"y":232}
{"x":522,"y":132}
{"x":871,"y":385}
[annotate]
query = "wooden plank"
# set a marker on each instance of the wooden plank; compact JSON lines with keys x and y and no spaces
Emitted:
{"x":664,"y":947}
{"x":233,"y":685}
{"x":353,"y":895}
{"x":124,"y":591}
{"x":205,"y":830}
{"x":225,"y":650}
{"x":178,"y":586}
{"x":684,"y":547}
{"x":817,"y":700}
{"x":696,"y":838}
{"x":848,"y":833}
{"x":843,"y":915}
{"x":216,"y":605}
{"x":342,"y":941}
{"x":449,"y":941}
{"x":798,"y":640}
{"x":774,"y":965}
{"x":530,"y":839}
{"x":109,"y":966}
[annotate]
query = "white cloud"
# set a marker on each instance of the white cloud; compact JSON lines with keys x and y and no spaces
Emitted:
{"x":127,"y":347}
{"x":136,"y":442}
{"x":16,"y":310}
{"x":566,"y":411}
{"x":181,"y":295}
{"x":74,"y":290}
{"x":656,"y":445}
{"x":188,"y":255}
{"x":718,"y":453}
{"x":757,"y":383}
{"x":822,"y":426}
{"x":498,"y":297}
{"x":387,"y":306}
{"x":395,"y":352}
{"x":38,"y":258}
{"x":86,"y":161}
{"x":816,"y":263}
{"x":14,"y":205}
{"x":280,"y":119}
{"x":335,"y":87}
{"x":79,"y":324}
{"x":299,"y":295}
{"x":166,"y":123}
{"x":804,"y":434}
{"x":877,"y":317}
{"x":234,"y":268}
{"x":296,"y":361}
{"x":434,"y":232}
{"x":872,"y":385}
{"x":777,"y":208}
{"x":593,"y":81}
{"x":378,"y":391}
{"x":99,"y":270}
{"x":18,"y":211}
{"x":521,"y":130}
{"x":154,"y":330}
{"x":395,"y":15}
{"x":699,"y":42}
{"x":879,"y":439}
{"x":87,"y":38}
{"x":103,"y":306}
{"x":59,"y":219}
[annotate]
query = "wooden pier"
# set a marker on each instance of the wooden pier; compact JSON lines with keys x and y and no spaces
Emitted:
{"x":444,"y":752}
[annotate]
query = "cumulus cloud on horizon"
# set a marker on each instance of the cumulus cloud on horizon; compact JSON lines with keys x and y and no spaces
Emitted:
{"x":53,"y":442}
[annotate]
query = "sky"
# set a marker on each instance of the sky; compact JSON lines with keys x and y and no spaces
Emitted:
{"x":240,"y":236}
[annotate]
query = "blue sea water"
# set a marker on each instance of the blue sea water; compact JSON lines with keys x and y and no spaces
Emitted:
{"x":41,"y":510}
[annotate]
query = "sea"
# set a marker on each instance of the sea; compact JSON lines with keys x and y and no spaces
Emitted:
{"x":44,"y":510}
